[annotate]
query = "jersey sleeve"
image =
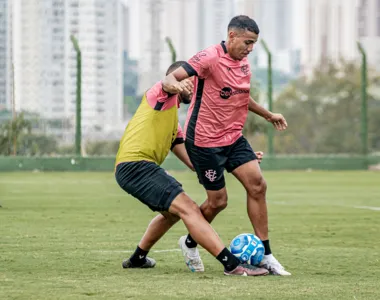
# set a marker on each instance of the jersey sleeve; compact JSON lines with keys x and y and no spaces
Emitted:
{"x":156,"y":96}
{"x":201,"y":63}
{"x":179,"y":138}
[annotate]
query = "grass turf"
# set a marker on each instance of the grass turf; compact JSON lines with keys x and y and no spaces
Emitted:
{"x":64,"y":235}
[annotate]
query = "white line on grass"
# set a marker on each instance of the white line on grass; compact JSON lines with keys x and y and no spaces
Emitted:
{"x":368,"y":207}
{"x":374,"y":208}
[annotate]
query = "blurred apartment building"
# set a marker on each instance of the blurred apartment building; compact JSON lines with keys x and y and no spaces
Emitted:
{"x":330,"y":32}
{"x":5,"y":52}
{"x":45,"y":64}
{"x":276,"y":22}
{"x":368,"y":30}
{"x":333,"y":29}
{"x":192,"y":25}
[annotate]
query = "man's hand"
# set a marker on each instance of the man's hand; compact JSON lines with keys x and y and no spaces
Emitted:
{"x":185,"y":86}
{"x":259,"y":155}
{"x":278,"y":121}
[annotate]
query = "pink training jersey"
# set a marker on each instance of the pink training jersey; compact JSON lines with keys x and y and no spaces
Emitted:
{"x":219,"y":108}
{"x":158,"y":99}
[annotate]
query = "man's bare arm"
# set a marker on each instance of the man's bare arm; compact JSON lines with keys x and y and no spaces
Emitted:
{"x":174,"y":82}
{"x":180,"y":151}
{"x":277,"y":120}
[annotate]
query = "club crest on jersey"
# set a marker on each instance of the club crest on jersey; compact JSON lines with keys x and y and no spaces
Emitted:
{"x":244,"y":69}
{"x":197,"y":57}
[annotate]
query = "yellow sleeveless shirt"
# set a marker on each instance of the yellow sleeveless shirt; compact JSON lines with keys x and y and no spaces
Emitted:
{"x":149,"y":134}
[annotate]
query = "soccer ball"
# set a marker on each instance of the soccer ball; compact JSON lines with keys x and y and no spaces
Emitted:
{"x":248,"y":248}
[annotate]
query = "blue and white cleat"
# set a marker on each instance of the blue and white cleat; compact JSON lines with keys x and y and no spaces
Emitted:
{"x":270,"y":263}
{"x":191,"y":256}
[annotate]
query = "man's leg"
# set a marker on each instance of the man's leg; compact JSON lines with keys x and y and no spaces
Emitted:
{"x":216,"y":202}
{"x":209,"y":165}
{"x":205,"y":235}
{"x":149,"y":183}
{"x":155,"y":231}
{"x":249,"y":174}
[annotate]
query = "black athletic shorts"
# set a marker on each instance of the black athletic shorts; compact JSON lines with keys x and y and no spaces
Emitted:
{"x":209,"y":163}
{"x":149,"y":183}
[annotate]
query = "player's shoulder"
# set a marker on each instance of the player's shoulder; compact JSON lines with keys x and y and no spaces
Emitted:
{"x":211,"y":54}
{"x":218,"y":50}
{"x":155,"y":89}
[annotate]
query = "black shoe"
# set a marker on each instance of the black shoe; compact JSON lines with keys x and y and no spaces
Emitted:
{"x":149,"y":263}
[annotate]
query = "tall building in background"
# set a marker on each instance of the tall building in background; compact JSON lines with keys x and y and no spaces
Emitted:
{"x":368,"y":30}
{"x":180,"y":24}
{"x":39,"y":57}
{"x":150,"y":41}
{"x":5,"y":54}
{"x":130,"y":68}
{"x":125,"y":21}
{"x":98,"y":27}
{"x":275,"y":20}
{"x":192,"y":25}
{"x":331,"y":32}
{"x":45,"y":64}
{"x":213,"y":19}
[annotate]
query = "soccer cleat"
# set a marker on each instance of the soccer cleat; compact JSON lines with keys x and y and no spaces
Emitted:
{"x":149,"y":263}
{"x":247,"y":270}
{"x":191,"y":256}
{"x":270,"y":263}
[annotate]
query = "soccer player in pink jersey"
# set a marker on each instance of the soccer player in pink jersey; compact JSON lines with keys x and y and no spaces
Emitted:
{"x":214,"y":139}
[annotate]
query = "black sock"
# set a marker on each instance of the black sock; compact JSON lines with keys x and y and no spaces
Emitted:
{"x":267,"y":247}
{"x":190,"y":243}
{"x":138,"y":257}
{"x":229,"y":261}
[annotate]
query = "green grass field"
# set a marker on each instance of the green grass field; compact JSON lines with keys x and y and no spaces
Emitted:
{"x":64,"y":235}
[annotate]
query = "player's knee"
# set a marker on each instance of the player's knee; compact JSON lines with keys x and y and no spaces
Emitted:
{"x":219,"y":206}
{"x":191,"y":209}
{"x":218,"y":202}
{"x":257,"y":187}
{"x":171,"y":218}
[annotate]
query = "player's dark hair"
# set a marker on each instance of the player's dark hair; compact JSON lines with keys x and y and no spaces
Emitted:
{"x":175,"y":65}
{"x":244,"y":23}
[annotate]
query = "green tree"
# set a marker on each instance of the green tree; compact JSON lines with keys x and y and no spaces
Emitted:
{"x":37,"y":145}
{"x":16,"y":137}
{"x":102,"y":148}
{"x":12,"y":132}
{"x":132,"y":103}
{"x":254,"y":124}
{"x":323,"y":111}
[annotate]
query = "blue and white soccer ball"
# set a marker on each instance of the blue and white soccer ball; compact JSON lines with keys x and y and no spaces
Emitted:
{"x":248,"y":248}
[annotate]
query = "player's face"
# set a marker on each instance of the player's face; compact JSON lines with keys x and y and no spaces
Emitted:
{"x":241,"y":43}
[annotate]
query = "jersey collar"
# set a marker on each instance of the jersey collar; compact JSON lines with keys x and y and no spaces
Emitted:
{"x":223,"y":44}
